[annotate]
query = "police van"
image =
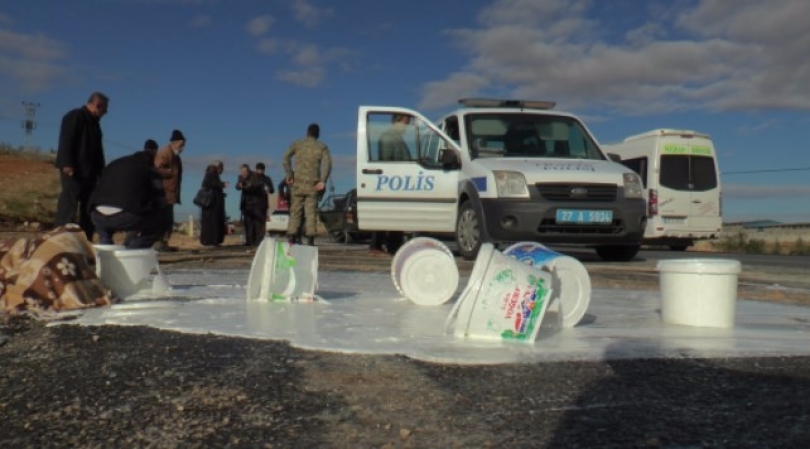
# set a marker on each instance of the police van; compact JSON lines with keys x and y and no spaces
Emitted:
{"x":496,"y":171}
{"x":680,"y":172}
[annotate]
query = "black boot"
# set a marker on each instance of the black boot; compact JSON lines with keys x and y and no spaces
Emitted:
{"x":311,"y":240}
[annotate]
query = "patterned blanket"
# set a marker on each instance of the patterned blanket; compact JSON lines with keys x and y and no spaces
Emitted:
{"x":50,"y":273}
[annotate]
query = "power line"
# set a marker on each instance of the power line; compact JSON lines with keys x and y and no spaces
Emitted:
{"x":772,"y":170}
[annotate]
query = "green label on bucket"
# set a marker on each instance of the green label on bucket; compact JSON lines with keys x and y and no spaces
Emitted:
{"x":526,"y":310}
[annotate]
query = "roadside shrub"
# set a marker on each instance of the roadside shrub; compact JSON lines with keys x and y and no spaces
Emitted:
{"x":740,"y":243}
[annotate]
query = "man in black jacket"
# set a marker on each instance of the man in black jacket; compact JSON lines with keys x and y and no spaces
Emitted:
{"x":80,"y":160}
{"x":130,"y":197}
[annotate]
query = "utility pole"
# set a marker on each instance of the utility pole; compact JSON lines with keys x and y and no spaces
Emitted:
{"x":29,"y":122}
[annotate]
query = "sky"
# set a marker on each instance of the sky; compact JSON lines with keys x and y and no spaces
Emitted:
{"x":243,"y":79}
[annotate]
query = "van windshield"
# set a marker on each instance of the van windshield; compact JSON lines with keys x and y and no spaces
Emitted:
{"x":688,"y":172}
{"x":522,"y":135}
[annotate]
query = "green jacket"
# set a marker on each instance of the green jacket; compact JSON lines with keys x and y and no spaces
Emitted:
{"x":313,"y":164}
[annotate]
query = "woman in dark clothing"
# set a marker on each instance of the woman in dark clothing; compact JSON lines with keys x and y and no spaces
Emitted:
{"x":212,"y":222}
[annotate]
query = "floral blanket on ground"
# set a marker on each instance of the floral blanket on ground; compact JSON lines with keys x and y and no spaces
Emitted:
{"x":50,"y":273}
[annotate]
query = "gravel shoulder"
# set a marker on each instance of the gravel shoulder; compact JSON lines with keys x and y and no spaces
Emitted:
{"x":135,"y":386}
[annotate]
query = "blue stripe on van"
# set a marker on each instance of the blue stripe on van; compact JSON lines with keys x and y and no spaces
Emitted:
{"x":480,"y":183}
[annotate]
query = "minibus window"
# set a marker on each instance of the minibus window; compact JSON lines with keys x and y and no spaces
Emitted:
{"x":704,"y":176}
{"x":685,"y":172}
{"x":675,"y":171}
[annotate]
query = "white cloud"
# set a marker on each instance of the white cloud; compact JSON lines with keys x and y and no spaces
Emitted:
{"x":306,"y":77}
{"x":309,"y":61}
{"x":458,"y":85}
{"x":201,"y":21}
{"x":742,"y":55}
{"x":260,"y":25}
{"x":309,"y":14}
{"x":32,"y":61}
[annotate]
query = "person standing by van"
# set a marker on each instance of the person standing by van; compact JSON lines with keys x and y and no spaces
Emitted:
{"x":212,"y":219}
{"x":253,"y":205}
{"x":80,"y":160}
{"x":391,"y":147}
{"x":307,"y":179}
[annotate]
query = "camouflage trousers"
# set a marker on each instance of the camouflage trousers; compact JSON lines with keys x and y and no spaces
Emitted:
{"x":306,"y":205}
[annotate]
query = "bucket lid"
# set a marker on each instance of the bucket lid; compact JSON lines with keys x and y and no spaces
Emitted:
{"x":700,"y":266}
{"x":429,"y":278}
{"x":573,"y":290}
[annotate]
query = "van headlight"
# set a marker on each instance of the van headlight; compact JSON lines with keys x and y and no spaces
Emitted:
{"x":632,"y":186}
{"x":510,"y":184}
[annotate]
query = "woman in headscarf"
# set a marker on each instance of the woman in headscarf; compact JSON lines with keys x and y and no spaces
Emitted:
{"x":212,"y":222}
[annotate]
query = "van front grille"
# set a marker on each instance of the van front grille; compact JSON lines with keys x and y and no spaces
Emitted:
{"x":577,"y":192}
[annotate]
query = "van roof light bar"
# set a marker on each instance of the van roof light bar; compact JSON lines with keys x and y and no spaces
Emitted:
{"x":496,"y":103}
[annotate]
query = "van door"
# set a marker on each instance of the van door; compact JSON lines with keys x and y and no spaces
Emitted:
{"x":402,"y":184}
{"x":689,"y":192}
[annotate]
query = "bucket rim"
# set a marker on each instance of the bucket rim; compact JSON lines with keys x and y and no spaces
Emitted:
{"x":700,"y":266}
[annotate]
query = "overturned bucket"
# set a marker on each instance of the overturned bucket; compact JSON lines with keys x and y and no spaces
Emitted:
{"x":504,"y":299}
{"x":572,"y":287}
{"x":283,"y":272}
{"x":699,"y":292}
{"x":425,"y":272}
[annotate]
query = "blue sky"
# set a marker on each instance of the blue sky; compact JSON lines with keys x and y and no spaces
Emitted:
{"x":242,"y":79}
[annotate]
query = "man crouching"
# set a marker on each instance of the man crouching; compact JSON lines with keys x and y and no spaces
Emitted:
{"x":129,"y":197}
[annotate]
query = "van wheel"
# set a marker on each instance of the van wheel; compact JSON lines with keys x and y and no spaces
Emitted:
{"x":468,"y":231}
{"x":678,"y":247}
{"x":617,"y":253}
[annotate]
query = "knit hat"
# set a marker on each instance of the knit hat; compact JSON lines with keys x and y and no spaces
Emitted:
{"x":177,"y":135}
{"x":150,"y":145}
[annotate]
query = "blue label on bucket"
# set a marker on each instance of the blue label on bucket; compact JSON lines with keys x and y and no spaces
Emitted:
{"x":531,"y":253}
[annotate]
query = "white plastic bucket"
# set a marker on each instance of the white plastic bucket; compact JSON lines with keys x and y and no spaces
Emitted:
{"x":504,"y":300}
{"x":283,"y":272}
{"x":572,"y":287}
{"x":699,"y":292}
{"x":127,"y":271}
{"x":425,"y":272}
{"x":102,"y":247}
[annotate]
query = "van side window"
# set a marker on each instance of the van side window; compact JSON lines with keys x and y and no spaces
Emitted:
{"x":396,"y":139}
{"x":638,"y":165}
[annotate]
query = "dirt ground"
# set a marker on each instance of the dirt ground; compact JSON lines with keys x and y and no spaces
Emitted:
{"x":28,"y":188}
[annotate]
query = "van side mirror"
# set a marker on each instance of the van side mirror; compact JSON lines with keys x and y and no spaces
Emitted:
{"x":449,"y":159}
{"x":615,"y":157}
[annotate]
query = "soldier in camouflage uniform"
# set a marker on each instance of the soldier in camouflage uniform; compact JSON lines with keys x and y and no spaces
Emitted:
{"x":312,"y":167}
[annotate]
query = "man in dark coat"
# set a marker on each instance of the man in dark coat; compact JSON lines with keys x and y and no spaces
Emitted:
{"x":130,"y":197}
{"x":253,"y":205}
{"x":80,"y":160}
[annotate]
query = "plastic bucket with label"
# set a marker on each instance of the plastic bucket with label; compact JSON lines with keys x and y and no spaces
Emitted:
{"x":283,"y":272}
{"x":699,"y":292}
{"x":504,"y":299}
{"x":425,"y":272}
{"x":572,"y":286}
{"x":127,"y":271}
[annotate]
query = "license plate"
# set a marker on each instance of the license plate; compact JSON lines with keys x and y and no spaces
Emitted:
{"x":584,"y":216}
{"x":672,"y":220}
